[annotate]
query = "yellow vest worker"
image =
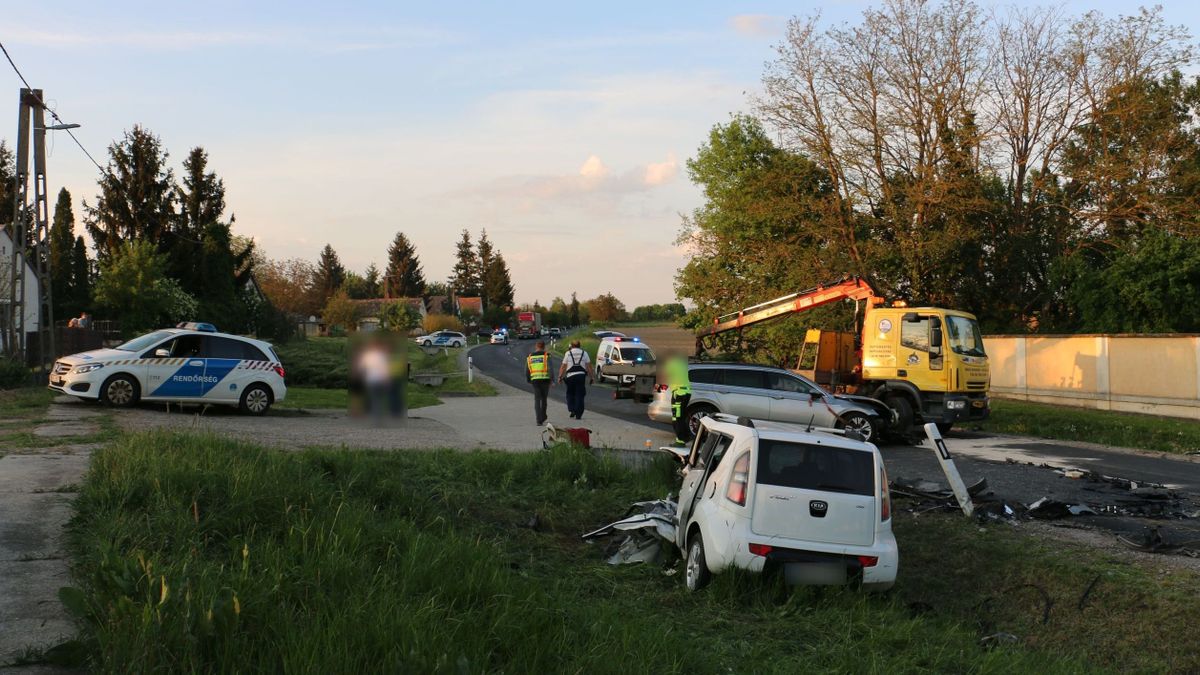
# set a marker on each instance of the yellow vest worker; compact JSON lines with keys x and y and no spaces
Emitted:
{"x":680,"y":386}
{"x":537,"y":371}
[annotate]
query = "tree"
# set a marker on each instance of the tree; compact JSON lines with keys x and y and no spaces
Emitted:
{"x":466,"y":278}
{"x":574,"y":310}
{"x":398,"y":317}
{"x":606,"y":308}
{"x":329,"y":273}
{"x":497,"y":284}
{"x":290,"y":286}
{"x":403,"y":277}
{"x":486,"y":259}
{"x":136,"y":199}
{"x":81,"y":275}
{"x":340,"y":312}
{"x":667,"y":312}
{"x":62,"y":245}
{"x":133,"y":284}
{"x":373,"y":288}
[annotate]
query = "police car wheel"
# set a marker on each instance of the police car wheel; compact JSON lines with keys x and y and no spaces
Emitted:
{"x":256,"y":400}
{"x":119,"y":391}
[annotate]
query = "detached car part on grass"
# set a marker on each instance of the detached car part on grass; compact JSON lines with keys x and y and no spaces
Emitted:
{"x":647,"y":532}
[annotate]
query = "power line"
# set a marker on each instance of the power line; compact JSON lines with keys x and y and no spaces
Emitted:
{"x":47,"y":108}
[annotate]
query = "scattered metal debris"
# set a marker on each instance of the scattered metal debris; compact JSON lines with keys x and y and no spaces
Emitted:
{"x":647,"y":530}
{"x":1153,"y":542}
{"x":997,"y":639}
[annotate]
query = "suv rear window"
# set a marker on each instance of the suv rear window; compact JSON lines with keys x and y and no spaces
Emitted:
{"x":815,"y":467}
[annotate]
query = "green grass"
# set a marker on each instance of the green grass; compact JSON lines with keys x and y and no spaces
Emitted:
{"x":587,"y":340}
{"x":1129,"y":430}
{"x":22,"y":410}
{"x":195,"y":553}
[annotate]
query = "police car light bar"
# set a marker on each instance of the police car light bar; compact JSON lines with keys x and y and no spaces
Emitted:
{"x":197,"y":325}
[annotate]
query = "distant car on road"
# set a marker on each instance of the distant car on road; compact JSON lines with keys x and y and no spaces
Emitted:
{"x":484,"y":332}
{"x":442,"y":338}
{"x":499,"y":338}
{"x":605,"y":334}
{"x":556,"y":333}
{"x":759,"y":494}
{"x":774,"y":394}
{"x":176,"y":365}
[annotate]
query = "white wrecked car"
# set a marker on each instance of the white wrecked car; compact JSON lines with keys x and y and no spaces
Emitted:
{"x":813,"y":504}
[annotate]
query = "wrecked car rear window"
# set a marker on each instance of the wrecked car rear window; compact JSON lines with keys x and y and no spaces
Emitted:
{"x":815,"y":467}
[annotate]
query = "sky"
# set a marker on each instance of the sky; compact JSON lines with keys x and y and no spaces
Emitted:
{"x":561,"y":128}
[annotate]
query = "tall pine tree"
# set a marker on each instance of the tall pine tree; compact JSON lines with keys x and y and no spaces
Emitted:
{"x":574,"y":310}
{"x":81,"y":275}
{"x":62,"y":243}
{"x":136,"y":199}
{"x":497,"y":285}
{"x":466,"y":278}
{"x":371,"y":280}
{"x":330,"y":274}
{"x":403,"y":277}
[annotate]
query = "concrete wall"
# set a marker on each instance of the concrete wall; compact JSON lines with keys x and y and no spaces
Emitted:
{"x":1155,"y":374}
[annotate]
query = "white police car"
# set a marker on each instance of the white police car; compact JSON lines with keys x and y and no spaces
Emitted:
{"x":442,"y":338}
{"x":193,"y":363}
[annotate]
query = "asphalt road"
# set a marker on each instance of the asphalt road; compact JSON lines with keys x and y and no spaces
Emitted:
{"x":507,"y":364}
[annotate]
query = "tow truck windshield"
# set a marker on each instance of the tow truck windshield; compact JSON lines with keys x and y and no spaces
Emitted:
{"x":964,"y":336}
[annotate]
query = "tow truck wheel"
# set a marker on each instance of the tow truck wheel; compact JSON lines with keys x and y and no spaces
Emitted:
{"x":119,"y":391}
{"x":256,"y":400}
{"x":904,"y":412}
{"x":697,"y":574}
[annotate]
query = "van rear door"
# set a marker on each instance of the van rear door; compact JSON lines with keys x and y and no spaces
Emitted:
{"x":814,"y":492}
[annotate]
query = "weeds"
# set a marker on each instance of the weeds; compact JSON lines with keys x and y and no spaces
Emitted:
{"x":1128,"y":430}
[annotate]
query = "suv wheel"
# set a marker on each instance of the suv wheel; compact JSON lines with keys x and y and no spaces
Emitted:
{"x":856,"y":421}
{"x":695,"y":414}
{"x":904,"y":412}
{"x":697,"y":574}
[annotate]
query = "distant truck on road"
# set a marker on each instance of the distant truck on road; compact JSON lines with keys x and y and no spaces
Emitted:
{"x":529,"y":325}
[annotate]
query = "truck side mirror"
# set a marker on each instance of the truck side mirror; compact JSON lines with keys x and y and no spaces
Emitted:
{"x":935,"y":338}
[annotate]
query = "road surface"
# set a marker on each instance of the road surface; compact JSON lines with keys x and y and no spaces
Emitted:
{"x":507,"y":364}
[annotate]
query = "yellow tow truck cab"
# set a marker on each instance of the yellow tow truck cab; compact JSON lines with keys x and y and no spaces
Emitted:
{"x":934,"y":357}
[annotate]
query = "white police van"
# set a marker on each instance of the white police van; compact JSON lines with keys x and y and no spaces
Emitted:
{"x":190,"y":364}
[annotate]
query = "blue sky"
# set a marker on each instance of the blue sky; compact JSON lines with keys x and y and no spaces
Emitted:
{"x":562,"y":128}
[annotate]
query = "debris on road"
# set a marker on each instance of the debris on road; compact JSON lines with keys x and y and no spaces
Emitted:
{"x":1153,"y":542}
{"x":647,"y":530}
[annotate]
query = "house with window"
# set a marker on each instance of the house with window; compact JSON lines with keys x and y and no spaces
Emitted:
{"x":30,"y":295}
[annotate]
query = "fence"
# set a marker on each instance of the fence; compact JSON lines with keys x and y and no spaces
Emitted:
{"x":1155,"y":374}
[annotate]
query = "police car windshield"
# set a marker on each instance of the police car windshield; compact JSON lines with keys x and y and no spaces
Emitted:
{"x":636,"y":354}
{"x":138,"y":344}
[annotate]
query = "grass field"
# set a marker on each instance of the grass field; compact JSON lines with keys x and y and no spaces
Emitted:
{"x":1128,"y":430}
{"x":201,"y":554}
{"x":22,"y":410}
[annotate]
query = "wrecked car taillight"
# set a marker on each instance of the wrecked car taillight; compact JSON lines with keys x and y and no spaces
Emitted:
{"x":868,"y":560}
{"x":760,"y":549}
{"x":885,"y":508}
{"x":736,"y":492}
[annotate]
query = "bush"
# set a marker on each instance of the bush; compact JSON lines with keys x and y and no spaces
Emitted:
{"x":13,"y":374}
{"x":434,"y":322}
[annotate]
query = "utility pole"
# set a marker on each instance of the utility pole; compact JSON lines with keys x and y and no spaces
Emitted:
{"x":30,"y":234}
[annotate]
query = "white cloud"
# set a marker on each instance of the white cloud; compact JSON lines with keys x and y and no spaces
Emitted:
{"x":756,"y":25}
{"x":593,"y":168}
{"x":658,"y":173}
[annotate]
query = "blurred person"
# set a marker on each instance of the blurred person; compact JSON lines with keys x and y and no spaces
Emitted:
{"x":537,"y":373}
{"x":576,"y":367}
{"x":373,"y":367}
{"x":680,"y":387}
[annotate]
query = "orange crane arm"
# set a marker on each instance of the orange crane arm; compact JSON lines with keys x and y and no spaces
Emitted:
{"x":847,"y":289}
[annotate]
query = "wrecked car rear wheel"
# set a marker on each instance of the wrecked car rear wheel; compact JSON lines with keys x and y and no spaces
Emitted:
{"x":697,"y":568}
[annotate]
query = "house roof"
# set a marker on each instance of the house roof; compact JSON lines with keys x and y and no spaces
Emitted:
{"x":371,"y":306}
{"x":470,"y":303}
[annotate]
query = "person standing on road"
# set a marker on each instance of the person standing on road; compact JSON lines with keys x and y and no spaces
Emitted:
{"x":575,"y":368}
{"x":680,"y":386}
{"x":537,"y":373}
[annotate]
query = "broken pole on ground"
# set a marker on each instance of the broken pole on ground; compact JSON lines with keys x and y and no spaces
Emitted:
{"x":952,"y":475}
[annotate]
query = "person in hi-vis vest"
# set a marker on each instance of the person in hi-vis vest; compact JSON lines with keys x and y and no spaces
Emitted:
{"x":537,"y":372}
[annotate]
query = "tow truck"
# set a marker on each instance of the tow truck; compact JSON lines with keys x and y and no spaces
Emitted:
{"x":928,"y":364}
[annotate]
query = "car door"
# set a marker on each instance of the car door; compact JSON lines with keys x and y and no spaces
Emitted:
{"x":174,"y":368}
{"x":795,"y":400}
{"x":223,"y":379}
{"x":696,"y":472}
{"x":743,"y":392}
